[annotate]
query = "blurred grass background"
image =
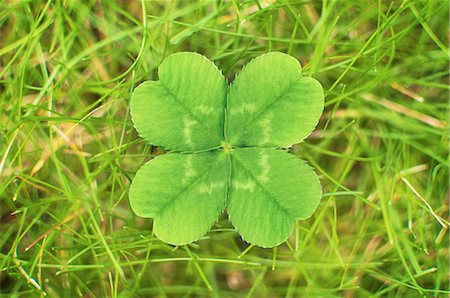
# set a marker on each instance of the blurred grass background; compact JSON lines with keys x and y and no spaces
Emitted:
{"x":68,"y":150}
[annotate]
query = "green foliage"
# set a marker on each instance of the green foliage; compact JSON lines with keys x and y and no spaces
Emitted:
{"x":69,"y":151}
{"x":183,"y":110}
{"x":269,"y":105}
{"x":185,"y":193}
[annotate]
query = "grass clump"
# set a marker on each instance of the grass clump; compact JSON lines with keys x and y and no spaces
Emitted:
{"x":68,"y":150}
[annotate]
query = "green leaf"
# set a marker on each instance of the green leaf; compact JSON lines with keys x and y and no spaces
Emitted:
{"x":184,"y":193}
{"x":270,"y":104}
{"x":184,"y":110}
{"x":219,"y":130}
{"x":269,"y":190}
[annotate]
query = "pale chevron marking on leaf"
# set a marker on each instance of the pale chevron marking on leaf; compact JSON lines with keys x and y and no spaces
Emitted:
{"x":189,"y":170}
{"x":204,"y":109}
{"x":187,"y":130}
{"x":209,"y":188}
{"x":249,"y":185}
{"x":265,"y":168}
{"x":244,"y":108}
{"x":266,"y":126}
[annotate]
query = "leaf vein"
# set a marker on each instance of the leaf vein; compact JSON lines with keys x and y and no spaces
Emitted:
{"x":281,"y":207}
{"x":196,"y":180}
{"x":267,"y":107}
{"x":179,"y":102}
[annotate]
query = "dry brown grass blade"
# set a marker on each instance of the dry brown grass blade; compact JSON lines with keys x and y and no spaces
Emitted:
{"x":405,"y":111}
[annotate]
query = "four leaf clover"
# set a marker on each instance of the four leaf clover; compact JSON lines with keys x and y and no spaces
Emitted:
{"x":226,"y":143}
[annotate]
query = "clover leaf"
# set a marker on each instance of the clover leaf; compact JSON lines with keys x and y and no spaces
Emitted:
{"x":226,"y":145}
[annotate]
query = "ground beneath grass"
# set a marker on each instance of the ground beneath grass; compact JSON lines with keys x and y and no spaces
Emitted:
{"x":68,"y":149}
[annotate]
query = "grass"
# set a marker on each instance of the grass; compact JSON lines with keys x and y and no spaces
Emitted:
{"x":68,"y":150}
